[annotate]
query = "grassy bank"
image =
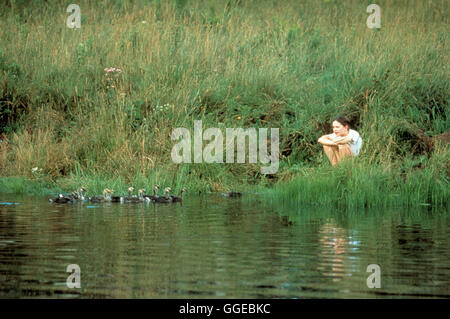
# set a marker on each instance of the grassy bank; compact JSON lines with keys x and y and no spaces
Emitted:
{"x":291,"y":65}
{"x":356,"y":184}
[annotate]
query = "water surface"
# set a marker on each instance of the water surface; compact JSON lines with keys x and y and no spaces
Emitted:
{"x":216,"y":247}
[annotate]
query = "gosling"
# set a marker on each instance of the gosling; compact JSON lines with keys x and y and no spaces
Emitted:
{"x":166,"y":198}
{"x":116,"y":199}
{"x":100,"y":199}
{"x":178,"y":199}
{"x":152,"y":198}
{"x":61,"y":199}
{"x":134,"y":199}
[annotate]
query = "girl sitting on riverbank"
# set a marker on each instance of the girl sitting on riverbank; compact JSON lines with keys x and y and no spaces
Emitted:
{"x":342,"y":142}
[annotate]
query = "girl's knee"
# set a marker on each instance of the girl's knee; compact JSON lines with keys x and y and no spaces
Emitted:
{"x":345,"y":150}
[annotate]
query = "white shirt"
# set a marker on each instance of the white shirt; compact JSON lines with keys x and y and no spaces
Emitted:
{"x":355,"y":142}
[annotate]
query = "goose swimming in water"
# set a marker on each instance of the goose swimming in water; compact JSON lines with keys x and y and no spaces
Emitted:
{"x":178,"y":199}
{"x":138,"y":199}
{"x":144,"y":198}
{"x":116,"y":199}
{"x":166,"y":198}
{"x":130,"y":196}
{"x":79,"y":193}
{"x":105,"y":198}
{"x":61,"y":199}
{"x":133,"y":198}
{"x":154,"y":196}
{"x":73,"y":196}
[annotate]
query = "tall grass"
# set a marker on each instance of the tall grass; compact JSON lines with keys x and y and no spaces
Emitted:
{"x":354,"y":184}
{"x":291,"y":65}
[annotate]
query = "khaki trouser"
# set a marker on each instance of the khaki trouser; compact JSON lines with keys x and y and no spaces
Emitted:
{"x":336,"y":153}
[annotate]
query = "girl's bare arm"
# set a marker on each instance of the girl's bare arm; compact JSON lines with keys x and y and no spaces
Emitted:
{"x":342,"y":140}
{"x":326,"y":140}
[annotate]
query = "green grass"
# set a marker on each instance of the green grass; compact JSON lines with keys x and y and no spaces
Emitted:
{"x":291,"y":65}
{"x":355,"y":184}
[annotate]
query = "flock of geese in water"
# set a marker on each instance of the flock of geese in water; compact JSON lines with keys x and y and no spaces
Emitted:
{"x":78,"y":196}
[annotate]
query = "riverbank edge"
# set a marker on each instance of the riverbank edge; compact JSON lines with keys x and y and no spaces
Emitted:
{"x":344,"y":187}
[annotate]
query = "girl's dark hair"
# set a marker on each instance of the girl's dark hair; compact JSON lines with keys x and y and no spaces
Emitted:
{"x":343,"y":120}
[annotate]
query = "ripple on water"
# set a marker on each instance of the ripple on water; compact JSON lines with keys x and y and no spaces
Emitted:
{"x":217,"y":248}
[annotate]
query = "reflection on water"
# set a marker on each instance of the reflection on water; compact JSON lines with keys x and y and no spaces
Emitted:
{"x":215,"y":247}
{"x":334,"y":243}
